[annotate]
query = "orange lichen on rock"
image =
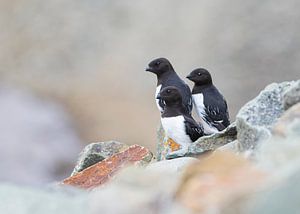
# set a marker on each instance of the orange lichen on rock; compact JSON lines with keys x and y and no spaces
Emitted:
{"x":101,"y":172}
{"x":216,"y":179}
{"x":172,"y":145}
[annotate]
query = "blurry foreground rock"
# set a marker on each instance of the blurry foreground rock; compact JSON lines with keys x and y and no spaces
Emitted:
{"x":213,"y":182}
{"x":37,"y":141}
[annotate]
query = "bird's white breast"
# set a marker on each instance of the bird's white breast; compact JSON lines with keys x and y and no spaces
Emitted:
{"x":157,"y":100}
{"x":175,"y":129}
{"x":198,"y":100}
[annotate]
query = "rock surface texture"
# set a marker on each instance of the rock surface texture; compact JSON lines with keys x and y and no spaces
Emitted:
{"x":255,"y":120}
{"x":101,"y":172}
{"x":96,"y":152}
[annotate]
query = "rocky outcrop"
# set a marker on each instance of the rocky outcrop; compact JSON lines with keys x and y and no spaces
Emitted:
{"x":212,"y":142}
{"x":255,"y":120}
{"x":220,"y":182}
{"x":96,"y":152}
{"x":101,"y":172}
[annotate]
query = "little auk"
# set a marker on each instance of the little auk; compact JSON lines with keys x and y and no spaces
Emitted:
{"x":177,"y":122}
{"x":209,"y":103}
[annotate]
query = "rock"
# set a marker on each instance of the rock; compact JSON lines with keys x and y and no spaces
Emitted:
{"x":282,"y":127}
{"x":96,"y":152}
{"x":38,"y":141}
{"x":255,"y":120}
{"x":210,"y":184}
{"x":25,"y":200}
{"x":174,"y":165}
{"x":284,"y":198}
{"x":292,"y":96}
{"x":101,"y":172}
{"x":207,"y":143}
{"x":139,"y":190}
{"x":212,"y":142}
{"x":165,"y":145}
{"x":283,"y":148}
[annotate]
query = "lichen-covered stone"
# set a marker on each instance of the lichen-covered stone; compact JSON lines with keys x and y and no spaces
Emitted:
{"x":101,"y":172}
{"x":212,"y":142}
{"x":292,"y":96}
{"x":165,"y":145}
{"x":96,"y":152}
{"x":257,"y":117}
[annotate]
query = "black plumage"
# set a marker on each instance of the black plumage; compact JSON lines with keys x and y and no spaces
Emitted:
{"x":210,"y":104}
{"x":166,"y":76}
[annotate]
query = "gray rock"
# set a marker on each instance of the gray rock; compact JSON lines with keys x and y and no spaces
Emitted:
{"x":96,"y":152}
{"x":283,"y":148}
{"x":292,"y":96}
{"x":26,"y":200}
{"x":257,"y":117}
{"x":212,"y":142}
{"x":38,"y":141}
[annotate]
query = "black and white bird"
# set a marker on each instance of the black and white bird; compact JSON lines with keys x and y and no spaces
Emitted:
{"x":166,"y":76}
{"x":209,"y":103}
{"x":177,"y":123}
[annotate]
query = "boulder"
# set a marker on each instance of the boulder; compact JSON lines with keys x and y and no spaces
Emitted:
{"x":28,"y":200}
{"x":210,"y":184}
{"x":255,"y":120}
{"x":212,"y":142}
{"x":141,"y":190}
{"x":283,"y":148}
{"x":103,"y":171}
{"x":96,"y":152}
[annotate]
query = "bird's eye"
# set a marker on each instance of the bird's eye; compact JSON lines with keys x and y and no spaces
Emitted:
{"x":199,"y":74}
{"x":157,"y":63}
{"x":168,"y":91}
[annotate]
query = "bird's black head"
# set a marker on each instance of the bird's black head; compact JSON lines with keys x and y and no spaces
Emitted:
{"x":159,"y":66}
{"x":170,"y":95}
{"x":200,"y":76}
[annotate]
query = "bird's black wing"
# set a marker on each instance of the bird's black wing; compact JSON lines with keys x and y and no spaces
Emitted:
{"x":216,"y":110}
{"x":193,"y":129}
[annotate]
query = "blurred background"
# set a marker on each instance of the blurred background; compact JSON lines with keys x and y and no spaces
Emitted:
{"x":72,"y":72}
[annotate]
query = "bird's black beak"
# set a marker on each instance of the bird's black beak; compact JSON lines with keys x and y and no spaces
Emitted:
{"x":158,"y":96}
{"x":149,"y":69}
{"x":189,"y":77}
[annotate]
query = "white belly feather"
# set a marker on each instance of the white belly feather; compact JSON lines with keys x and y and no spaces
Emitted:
{"x":175,"y":129}
{"x":198,"y":100}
